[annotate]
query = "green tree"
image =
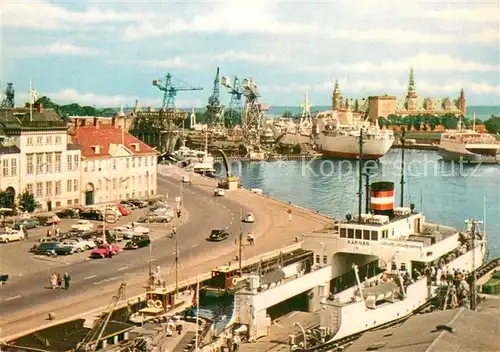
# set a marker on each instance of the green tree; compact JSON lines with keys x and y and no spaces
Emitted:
{"x":449,"y":122}
{"x":27,"y":201}
{"x":242,"y":150}
{"x":434,"y":121}
{"x":382,"y":121}
{"x":297,"y":149}
{"x":492,"y":125}
{"x":5,"y":200}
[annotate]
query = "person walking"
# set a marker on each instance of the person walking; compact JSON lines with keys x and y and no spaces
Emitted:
{"x":53,"y":281}
{"x":59,"y":280}
{"x":67,"y":281}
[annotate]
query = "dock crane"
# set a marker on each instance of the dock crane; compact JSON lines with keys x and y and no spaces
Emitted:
{"x":236,"y":91}
{"x":9,"y":97}
{"x":170,"y":90}
{"x":214,"y":107}
{"x":90,"y":342}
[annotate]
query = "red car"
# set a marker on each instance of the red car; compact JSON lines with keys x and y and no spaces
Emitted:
{"x":103,"y":250}
{"x":124,"y":211}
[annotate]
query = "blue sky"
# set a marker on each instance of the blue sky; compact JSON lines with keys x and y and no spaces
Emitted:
{"x":106,"y":53}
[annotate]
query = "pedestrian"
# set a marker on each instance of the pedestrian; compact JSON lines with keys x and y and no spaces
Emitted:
{"x":174,"y":230}
{"x":290,"y":217}
{"x":58,"y":232}
{"x":250,"y":239}
{"x":67,"y":281}
{"x":49,"y":233}
{"x":53,"y":281}
{"x":110,"y":253}
{"x":59,"y":280}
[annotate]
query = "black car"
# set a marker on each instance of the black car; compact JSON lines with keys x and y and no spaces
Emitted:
{"x":64,"y":250}
{"x":47,"y":248}
{"x":138,"y":241}
{"x":138,"y":203}
{"x":91,"y":215}
{"x":67,"y":214}
{"x":218,"y":235}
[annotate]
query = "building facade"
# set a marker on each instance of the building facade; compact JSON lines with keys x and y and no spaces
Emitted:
{"x":9,"y":172}
{"x":115,"y":165}
{"x":47,"y":165}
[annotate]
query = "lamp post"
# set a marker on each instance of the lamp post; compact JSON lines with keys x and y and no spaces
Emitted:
{"x":303,"y":333}
{"x":367,"y":175}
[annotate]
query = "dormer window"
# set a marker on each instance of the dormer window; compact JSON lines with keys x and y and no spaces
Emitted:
{"x":96,"y":149}
{"x":135,"y":146}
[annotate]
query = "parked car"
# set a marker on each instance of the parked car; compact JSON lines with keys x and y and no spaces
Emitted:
{"x":219,"y":192}
{"x":156,"y":218}
{"x":47,"y":248}
{"x":218,"y":235}
{"x":124,"y":211}
{"x":91,"y":214}
{"x":11,"y":236}
{"x":139,"y":203}
{"x":138,"y":241}
{"x":249,"y":217}
{"x":104,"y":249}
{"x":62,"y":249}
{"x":83,"y":225}
{"x":128,"y":204}
{"x":77,"y":246}
{"x":186,"y":179}
{"x":27,"y":224}
{"x":87,"y":243}
{"x":48,"y":220}
{"x":68,"y":214}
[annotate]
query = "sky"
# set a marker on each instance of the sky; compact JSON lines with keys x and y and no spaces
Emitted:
{"x":107,"y":53}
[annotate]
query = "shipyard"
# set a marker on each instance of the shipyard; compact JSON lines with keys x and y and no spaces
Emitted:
{"x":249,"y":177}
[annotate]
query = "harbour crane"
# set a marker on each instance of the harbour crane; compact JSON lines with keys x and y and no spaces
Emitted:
{"x":236,"y":91}
{"x":9,"y":97}
{"x":214,"y":108}
{"x":170,"y":90}
{"x":251,"y":119}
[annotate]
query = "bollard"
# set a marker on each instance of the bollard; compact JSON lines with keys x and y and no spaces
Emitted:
{"x":52,"y":316}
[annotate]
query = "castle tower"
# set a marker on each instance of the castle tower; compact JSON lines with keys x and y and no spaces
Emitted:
{"x":411,"y":85}
{"x":336,"y":97}
{"x":462,"y":102}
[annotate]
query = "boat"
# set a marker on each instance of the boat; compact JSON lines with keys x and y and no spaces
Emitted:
{"x":469,"y":146}
{"x":200,"y":161}
{"x":340,"y":139}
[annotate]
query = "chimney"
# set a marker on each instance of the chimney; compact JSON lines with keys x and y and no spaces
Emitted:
{"x":382,"y":198}
{"x":40,"y":107}
{"x":95,"y":121}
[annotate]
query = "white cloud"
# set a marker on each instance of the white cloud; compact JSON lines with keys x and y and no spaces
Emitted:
{"x":482,"y":13}
{"x":39,"y":14}
{"x":423,"y":62}
{"x":67,"y":96}
{"x":56,"y":49}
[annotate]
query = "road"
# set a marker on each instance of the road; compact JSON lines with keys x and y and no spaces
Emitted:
{"x":25,"y":302}
{"x":205,"y":213}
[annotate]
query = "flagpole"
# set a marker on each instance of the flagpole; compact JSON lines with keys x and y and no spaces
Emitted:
{"x":31,"y":97}
{"x":197,"y":312}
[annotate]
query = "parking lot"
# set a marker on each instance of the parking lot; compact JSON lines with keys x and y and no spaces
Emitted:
{"x":17,"y":260}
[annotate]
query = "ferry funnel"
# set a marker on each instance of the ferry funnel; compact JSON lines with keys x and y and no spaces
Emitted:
{"x":382,"y":198}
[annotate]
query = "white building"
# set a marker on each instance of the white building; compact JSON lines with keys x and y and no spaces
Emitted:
{"x":115,"y":165}
{"x":9,"y":167}
{"x":47,"y":165}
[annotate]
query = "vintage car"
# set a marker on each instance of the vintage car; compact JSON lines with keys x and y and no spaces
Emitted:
{"x":83,"y":225}
{"x":104,"y":250}
{"x":27,"y":224}
{"x":11,"y":236}
{"x":219,"y":192}
{"x":218,"y":235}
{"x":138,"y":241}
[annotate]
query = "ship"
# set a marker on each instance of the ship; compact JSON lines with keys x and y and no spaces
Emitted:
{"x":200,"y":161}
{"x":338,"y":137}
{"x":469,"y":146}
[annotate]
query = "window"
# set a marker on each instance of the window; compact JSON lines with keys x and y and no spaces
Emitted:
{"x":29,"y":141}
{"x":48,"y":163}
{"x":107,"y":184}
{"x":350,"y":233}
{"x":133,"y":181}
{"x":133,"y":162}
{"x":76,"y":201}
{"x":374,"y":235}
{"x":70,"y":202}
{"x":127,"y":163}
{"x":58,"y":204}
{"x":69,"y":186}
{"x":366,"y":234}
{"x":58,"y":140}
{"x":29,"y":164}
{"x":75,"y":185}
{"x":70,"y":162}
{"x":325,"y":259}
{"x":76,"y":159}
{"x":318,"y":259}
{"x":139,"y":162}
{"x":58,"y":188}
{"x":39,"y":189}
{"x":358,"y":234}
{"x":384,"y":233}
{"x":114,"y":164}
{"x":114,"y":183}
{"x":39,"y":163}
{"x":343,"y":233}
{"x":85,"y":166}
{"x":29,"y":188}
{"x":39,"y":140}
{"x":5,"y":163}
{"x":48,"y":188}
{"x":92,"y":165}
{"x":58,"y":162}
{"x":48,"y":140}
{"x":13,"y":167}
{"x":99,"y":184}
{"x":146,"y":161}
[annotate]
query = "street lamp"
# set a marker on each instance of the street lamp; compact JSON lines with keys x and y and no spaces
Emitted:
{"x":367,"y":175}
{"x":303,"y":333}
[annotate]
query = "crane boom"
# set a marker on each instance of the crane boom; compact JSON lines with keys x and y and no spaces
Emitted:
{"x":170,"y":90}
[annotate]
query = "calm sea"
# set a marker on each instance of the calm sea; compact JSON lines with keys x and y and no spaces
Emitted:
{"x":448,"y":193}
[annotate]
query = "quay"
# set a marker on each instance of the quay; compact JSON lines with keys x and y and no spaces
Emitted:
{"x":279,"y":157}
{"x":272,"y":229}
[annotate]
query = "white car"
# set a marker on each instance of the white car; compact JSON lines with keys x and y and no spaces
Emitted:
{"x":11,"y":236}
{"x":186,"y":179}
{"x":249,"y":217}
{"x":219,"y":192}
{"x":83,"y":225}
{"x":75,"y":245}
{"x":87,"y":244}
{"x":141,"y":230}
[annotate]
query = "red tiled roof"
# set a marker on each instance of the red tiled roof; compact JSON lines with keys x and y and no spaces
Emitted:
{"x":103,"y":136}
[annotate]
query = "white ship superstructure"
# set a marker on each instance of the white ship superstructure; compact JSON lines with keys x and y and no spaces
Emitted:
{"x":340,"y":139}
{"x":467,"y":145}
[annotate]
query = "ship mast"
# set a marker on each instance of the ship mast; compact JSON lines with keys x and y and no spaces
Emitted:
{"x":360,"y":190}
{"x":402,"y":182}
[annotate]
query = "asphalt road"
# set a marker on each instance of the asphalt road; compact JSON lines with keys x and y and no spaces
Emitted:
{"x":205,"y":212}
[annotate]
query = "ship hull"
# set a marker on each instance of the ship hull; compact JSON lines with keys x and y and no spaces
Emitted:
{"x":467,"y":157}
{"x":347,"y":147}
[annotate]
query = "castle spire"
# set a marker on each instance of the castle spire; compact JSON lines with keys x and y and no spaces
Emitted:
{"x":411,"y":84}
{"x":336,"y":89}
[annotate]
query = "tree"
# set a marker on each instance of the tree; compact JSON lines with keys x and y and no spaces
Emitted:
{"x":493,"y":124}
{"x":382,"y":121}
{"x":297,"y":149}
{"x":5,"y":200}
{"x":242,"y":150}
{"x":449,"y":122}
{"x":27,"y":201}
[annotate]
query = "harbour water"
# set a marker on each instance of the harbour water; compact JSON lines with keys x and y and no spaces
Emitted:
{"x":447,"y":192}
